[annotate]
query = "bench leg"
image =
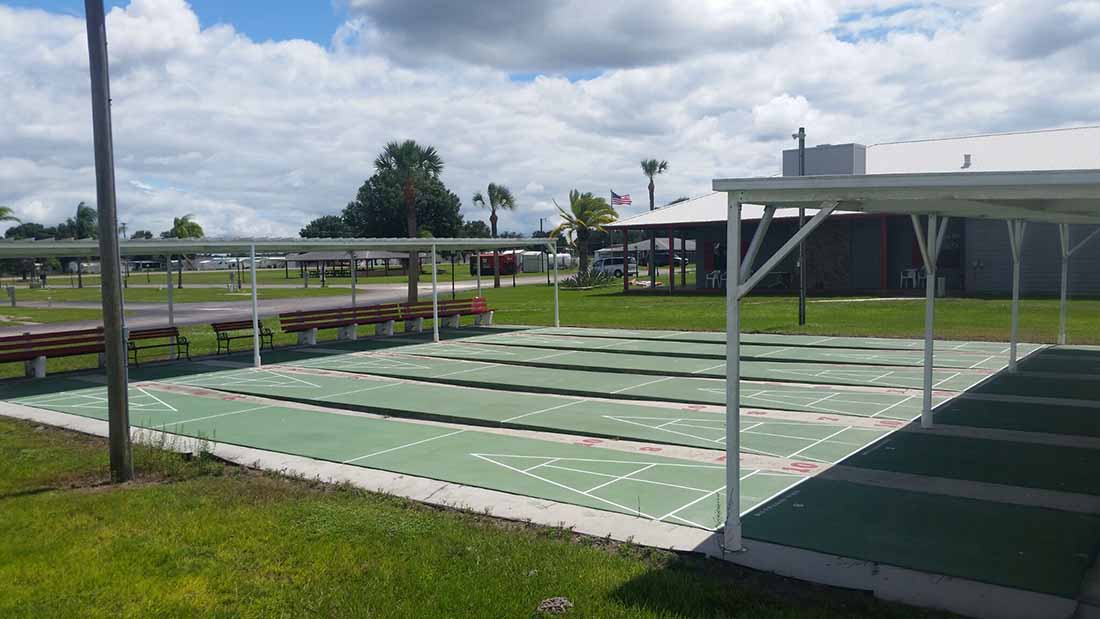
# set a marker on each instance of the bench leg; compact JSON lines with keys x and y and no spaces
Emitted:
{"x":485,"y":319}
{"x":416,"y":324}
{"x":308,"y":338}
{"x":384,"y":328}
{"x":451,"y":321}
{"x":349,"y":332}
{"x":39,"y":367}
{"x":101,"y":359}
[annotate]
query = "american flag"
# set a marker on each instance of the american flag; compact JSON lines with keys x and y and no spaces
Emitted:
{"x":617,"y":200}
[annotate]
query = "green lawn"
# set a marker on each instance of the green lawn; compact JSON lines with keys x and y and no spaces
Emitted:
{"x":15,"y":316}
{"x":198,"y":538}
{"x":279,"y":277}
{"x":957,"y":319}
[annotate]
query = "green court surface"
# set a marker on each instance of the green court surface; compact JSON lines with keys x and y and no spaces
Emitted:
{"x":1021,"y":546}
{"x":1025,"y":465}
{"x":674,"y":350}
{"x":459,"y":412}
{"x":642,"y":484}
{"x":1050,"y":417}
{"x":887,"y":404}
{"x":880,"y":343}
{"x":817,"y":440}
{"x":784,"y":371}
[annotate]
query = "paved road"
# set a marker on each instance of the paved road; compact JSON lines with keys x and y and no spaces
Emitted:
{"x":156,"y":314}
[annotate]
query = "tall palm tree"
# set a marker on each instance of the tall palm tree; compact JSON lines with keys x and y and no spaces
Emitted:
{"x":500,"y":197}
{"x":586,"y":214}
{"x":651,"y":168}
{"x":413,"y":164}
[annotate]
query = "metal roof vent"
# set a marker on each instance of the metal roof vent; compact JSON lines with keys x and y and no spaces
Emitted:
{"x":966,"y":162}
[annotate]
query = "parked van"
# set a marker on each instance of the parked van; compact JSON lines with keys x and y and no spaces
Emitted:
{"x":614,"y":266}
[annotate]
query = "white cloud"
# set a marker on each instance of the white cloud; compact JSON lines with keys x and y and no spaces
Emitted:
{"x":258,"y":138}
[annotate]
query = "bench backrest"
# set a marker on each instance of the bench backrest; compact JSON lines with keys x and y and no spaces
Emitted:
{"x":88,"y":340}
{"x":233,"y":325}
{"x":338,"y":317}
{"x":154,"y":333}
{"x":463,"y":307}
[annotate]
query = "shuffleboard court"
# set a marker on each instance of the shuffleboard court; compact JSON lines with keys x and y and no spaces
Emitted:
{"x":819,"y":440}
{"x":669,"y":349}
{"x":886,"y":404}
{"x":879,"y":343}
{"x":606,"y":363}
{"x":641,"y":484}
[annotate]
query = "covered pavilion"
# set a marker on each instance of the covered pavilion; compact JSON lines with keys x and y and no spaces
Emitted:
{"x":1064,"y":198}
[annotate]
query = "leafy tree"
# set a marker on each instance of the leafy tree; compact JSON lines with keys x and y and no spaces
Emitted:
{"x":587,"y":214}
{"x":499,"y":198}
{"x":326,"y":227}
{"x":651,"y":168}
{"x":6,"y":214}
{"x":142,"y":235}
{"x":30,"y":230}
{"x":85,"y":225}
{"x":508,"y":234}
{"x":476,"y":229}
{"x":412,"y":165}
{"x":379,"y":209}
{"x":182,"y":228}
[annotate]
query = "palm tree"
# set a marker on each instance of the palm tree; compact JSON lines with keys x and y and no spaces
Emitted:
{"x":500,"y":197}
{"x":412,"y":163}
{"x":651,"y":168}
{"x":182,"y":228}
{"x":586,"y":214}
{"x":6,"y":214}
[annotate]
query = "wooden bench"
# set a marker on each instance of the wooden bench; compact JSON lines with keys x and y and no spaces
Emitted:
{"x":171,"y":334}
{"x":225,"y":333}
{"x":35,"y":348}
{"x":449,"y":312}
{"x":306,"y":323}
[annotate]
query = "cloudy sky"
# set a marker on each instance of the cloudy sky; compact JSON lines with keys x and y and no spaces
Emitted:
{"x":257,"y":117}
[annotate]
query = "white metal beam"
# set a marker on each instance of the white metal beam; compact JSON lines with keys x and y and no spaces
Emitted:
{"x":826,"y":209}
{"x":757,"y":241}
{"x":255,"y":308}
{"x":435,"y":300}
{"x":172,"y":352}
{"x":929,"y":249}
{"x":557,"y":318}
{"x":1016,"y":231}
{"x":1067,"y":253}
{"x":732,"y":531}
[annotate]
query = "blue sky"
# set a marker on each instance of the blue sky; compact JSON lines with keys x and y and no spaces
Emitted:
{"x":260,"y":20}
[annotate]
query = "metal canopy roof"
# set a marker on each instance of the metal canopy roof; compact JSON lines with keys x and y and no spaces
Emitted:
{"x":1057,"y":196}
{"x":143,"y":247}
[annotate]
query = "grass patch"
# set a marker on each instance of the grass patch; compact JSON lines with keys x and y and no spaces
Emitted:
{"x":212,"y":540}
{"x":956,"y":319}
{"x":16,"y":316}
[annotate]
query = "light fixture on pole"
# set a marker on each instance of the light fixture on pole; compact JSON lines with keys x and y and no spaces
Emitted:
{"x":801,"y":137}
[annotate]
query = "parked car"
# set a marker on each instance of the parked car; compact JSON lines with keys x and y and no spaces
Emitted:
{"x":661,"y":260}
{"x":614,"y":266}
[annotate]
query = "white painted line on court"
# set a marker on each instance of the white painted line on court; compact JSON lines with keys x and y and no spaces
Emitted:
{"x":820,"y":441}
{"x":544,"y":410}
{"x":621,"y":477}
{"x":183,"y":421}
{"x":399,"y":447}
{"x":165,"y":404}
{"x":645,"y":384}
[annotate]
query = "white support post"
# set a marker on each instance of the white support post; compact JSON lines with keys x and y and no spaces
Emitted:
{"x":255,"y":309}
{"x":929,"y":320}
{"x":1016,"y":230}
{"x":1063,"y":237}
{"x":172,"y":352}
{"x":435,"y":300}
{"x":557,"y":317}
{"x":757,"y":241}
{"x":1067,"y":253}
{"x":353,"y":328}
{"x":827,"y":209}
{"x":732,"y":532}
{"x":478,"y":272}
{"x":930,"y":252}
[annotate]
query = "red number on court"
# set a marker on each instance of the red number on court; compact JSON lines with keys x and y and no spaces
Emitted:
{"x":801,"y":466}
{"x":591,"y":441}
{"x":720,"y":459}
{"x":649,"y":449}
{"x":694,"y":407}
{"x":823,"y":418}
{"x":757,"y":413}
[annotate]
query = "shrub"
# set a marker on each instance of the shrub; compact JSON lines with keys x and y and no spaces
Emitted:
{"x":588,"y":279}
